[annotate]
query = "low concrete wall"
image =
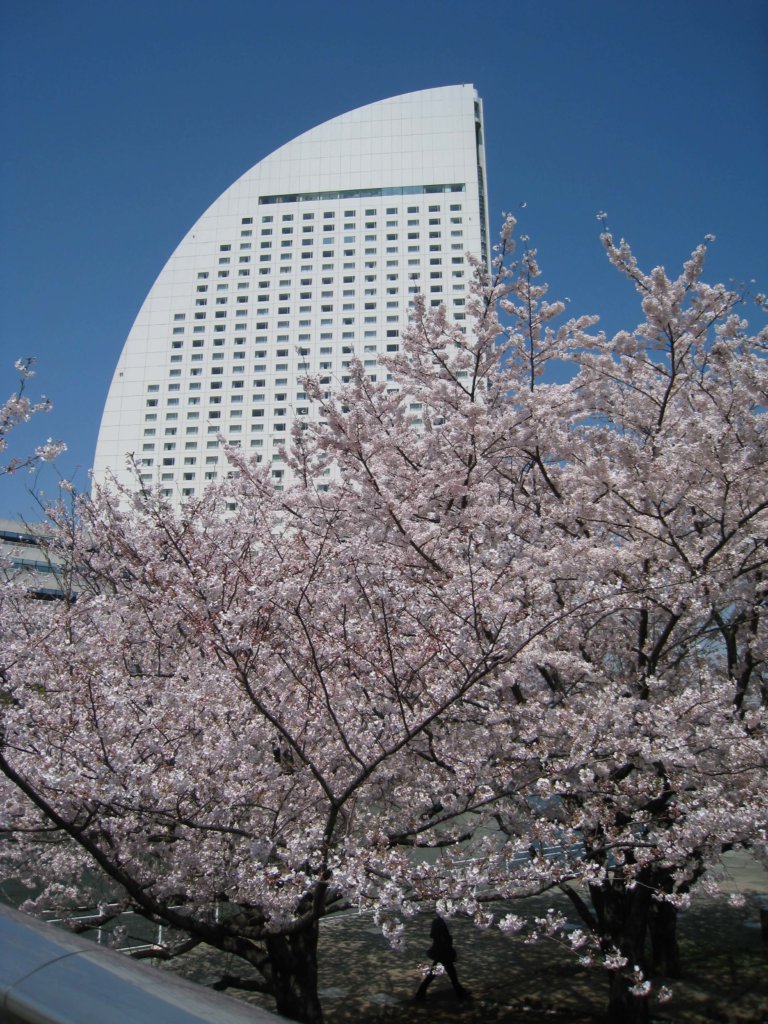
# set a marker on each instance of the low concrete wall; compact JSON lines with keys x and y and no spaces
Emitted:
{"x":49,"y":976}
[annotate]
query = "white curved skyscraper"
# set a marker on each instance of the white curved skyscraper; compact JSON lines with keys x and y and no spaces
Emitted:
{"x":308,"y":260}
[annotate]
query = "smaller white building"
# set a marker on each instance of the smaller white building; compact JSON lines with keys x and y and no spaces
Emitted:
{"x":23,"y":555}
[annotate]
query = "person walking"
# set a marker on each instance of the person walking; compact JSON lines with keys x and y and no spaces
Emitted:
{"x":441,"y":952}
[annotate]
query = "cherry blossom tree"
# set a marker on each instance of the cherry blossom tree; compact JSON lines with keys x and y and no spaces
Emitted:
{"x":650,"y":733}
{"x":521,"y":615}
{"x":240,"y":721}
{"x":634,"y":726}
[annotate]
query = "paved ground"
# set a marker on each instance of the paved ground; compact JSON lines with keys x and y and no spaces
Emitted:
{"x":725,"y":962}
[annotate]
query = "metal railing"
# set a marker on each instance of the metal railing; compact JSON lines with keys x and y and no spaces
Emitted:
{"x":135,"y":932}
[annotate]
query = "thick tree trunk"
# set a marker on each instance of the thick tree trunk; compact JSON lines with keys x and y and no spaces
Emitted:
{"x":294,"y":964}
{"x":623,"y":915}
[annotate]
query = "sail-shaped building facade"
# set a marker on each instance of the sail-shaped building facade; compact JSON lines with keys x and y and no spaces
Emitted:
{"x":307,"y":261}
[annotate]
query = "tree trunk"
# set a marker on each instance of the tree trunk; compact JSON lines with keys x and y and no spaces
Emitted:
{"x":294,"y":964}
{"x":623,"y":914}
{"x":663,"y":928}
{"x":623,"y":1007}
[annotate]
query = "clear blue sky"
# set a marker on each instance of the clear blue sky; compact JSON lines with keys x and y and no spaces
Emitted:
{"x":122,"y":121}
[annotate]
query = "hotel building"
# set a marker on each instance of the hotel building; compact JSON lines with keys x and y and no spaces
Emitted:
{"x":307,"y":261}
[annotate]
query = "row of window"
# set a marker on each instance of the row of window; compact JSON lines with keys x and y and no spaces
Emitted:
{"x":346,"y":253}
{"x":329,"y":223}
{"x":361,"y":193}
